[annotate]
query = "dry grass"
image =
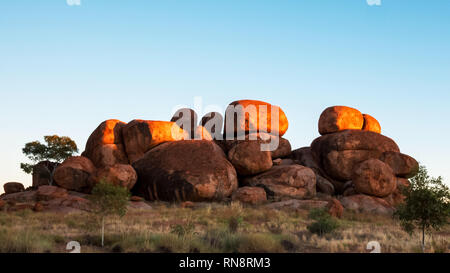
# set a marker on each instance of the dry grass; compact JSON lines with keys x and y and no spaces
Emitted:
{"x":212,"y":228}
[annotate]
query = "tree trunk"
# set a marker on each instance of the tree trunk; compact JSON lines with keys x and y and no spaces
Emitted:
{"x":103,"y":230}
{"x":423,"y":239}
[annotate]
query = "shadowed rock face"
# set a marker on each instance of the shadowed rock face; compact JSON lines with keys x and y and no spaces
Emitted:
{"x":366,"y":204}
{"x":119,"y":175}
{"x":141,"y":135}
{"x":252,"y":116}
{"x":338,"y":153}
{"x":373,"y":177}
{"x":42,"y":173}
{"x":73,"y":174}
{"x":402,"y":165}
{"x":250,"y":195}
{"x":186,"y":170}
{"x":248,"y":159}
{"x":13,"y":187}
{"x":371,"y":124}
{"x":289,"y":181}
{"x":338,"y":118}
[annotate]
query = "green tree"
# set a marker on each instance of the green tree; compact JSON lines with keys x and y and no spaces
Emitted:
{"x":56,"y":149}
{"x":426,"y":206}
{"x":108,"y":199}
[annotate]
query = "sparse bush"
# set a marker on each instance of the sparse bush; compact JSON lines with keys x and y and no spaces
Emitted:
{"x":108,"y":199}
{"x":426,"y":206}
{"x":233,"y":223}
{"x":323,"y":224}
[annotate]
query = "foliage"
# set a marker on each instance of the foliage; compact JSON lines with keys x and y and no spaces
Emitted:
{"x":323,"y":224}
{"x":56,"y":149}
{"x":108,"y":199}
{"x":426,"y":206}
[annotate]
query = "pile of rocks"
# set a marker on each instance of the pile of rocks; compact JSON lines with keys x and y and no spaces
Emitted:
{"x":186,"y":160}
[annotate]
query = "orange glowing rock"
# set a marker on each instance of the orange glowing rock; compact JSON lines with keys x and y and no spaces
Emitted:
{"x":339,"y":118}
{"x":142,"y":135}
{"x":105,"y":145}
{"x":371,"y":124}
{"x":251,"y":116}
{"x":202,"y":134}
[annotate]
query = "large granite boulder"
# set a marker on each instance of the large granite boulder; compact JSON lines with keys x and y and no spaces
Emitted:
{"x":248,"y":159}
{"x":186,"y":170}
{"x":119,"y":175}
{"x":373,"y":177}
{"x":73,"y":174}
{"x":338,"y":118}
{"x":140,"y":136}
{"x":338,"y":154}
{"x":288,"y":181}
{"x":252,"y":116}
{"x":105,"y":145}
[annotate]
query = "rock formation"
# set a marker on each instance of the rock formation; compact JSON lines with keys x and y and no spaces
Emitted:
{"x":351,"y":165}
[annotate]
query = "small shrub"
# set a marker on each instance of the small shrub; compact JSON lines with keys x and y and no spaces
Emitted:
{"x":234,"y":223}
{"x":183,"y":230}
{"x":323,"y":224}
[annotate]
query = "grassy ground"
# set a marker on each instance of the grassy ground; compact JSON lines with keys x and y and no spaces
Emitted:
{"x":212,"y":228}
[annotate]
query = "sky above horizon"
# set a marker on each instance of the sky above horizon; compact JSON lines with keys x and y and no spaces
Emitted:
{"x":66,"y":68}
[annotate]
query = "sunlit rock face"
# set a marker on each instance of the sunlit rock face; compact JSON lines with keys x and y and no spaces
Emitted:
{"x":371,"y":124}
{"x":251,"y":116}
{"x":105,"y":145}
{"x":338,"y":118}
{"x":142,"y":135}
{"x":186,"y":119}
{"x":188,"y":170}
{"x":213,"y":122}
{"x":202,"y":134}
{"x":73,"y":174}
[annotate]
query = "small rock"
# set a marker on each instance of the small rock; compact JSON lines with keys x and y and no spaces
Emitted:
{"x":13,"y":187}
{"x":250,"y":195}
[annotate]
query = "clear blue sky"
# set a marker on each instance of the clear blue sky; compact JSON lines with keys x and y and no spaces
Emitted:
{"x":64,"y":69}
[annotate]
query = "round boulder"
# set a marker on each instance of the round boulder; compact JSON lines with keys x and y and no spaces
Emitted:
{"x":119,"y":175}
{"x":73,"y":174}
{"x":373,"y":177}
{"x":339,"y":118}
{"x":337,"y":154}
{"x":186,"y":170}
{"x":250,"y":195}
{"x":249,"y":159}
{"x":252,"y":116}
{"x":140,"y":136}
